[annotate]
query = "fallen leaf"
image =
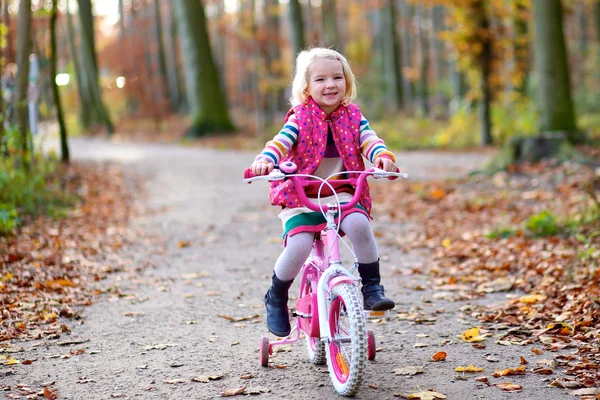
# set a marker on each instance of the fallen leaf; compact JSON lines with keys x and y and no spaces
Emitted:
{"x":586,"y":392}
{"x":175,"y":381}
{"x":419,"y":345}
{"x":469,"y":368}
{"x":509,"y":387}
{"x":426,"y":395}
{"x":510,"y":371}
{"x":257,"y":390}
{"x":233,"y":392}
{"x":472,"y":335}
{"x":524,"y":361}
{"x":408,"y":370}
{"x":532,"y":298}
{"x":439,"y":356}
{"x":206,"y":379}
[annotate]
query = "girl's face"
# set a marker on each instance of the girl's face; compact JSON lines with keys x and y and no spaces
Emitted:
{"x":327,"y":84}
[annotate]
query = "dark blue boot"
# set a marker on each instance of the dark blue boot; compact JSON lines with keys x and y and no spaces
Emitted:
{"x":373,"y":297}
{"x":278,"y":320}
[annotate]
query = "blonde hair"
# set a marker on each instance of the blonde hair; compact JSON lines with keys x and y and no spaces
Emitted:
{"x":304,"y":63}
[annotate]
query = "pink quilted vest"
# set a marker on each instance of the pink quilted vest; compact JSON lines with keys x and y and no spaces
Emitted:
{"x":310,"y":148}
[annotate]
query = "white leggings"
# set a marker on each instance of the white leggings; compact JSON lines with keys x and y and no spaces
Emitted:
{"x":356,"y":226}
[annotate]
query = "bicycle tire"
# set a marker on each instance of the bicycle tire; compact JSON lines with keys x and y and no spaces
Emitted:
{"x":314,"y":346}
{"x":346,"y":361}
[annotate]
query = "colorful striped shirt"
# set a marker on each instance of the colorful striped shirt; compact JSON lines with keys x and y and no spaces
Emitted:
{"x":276,"y":149}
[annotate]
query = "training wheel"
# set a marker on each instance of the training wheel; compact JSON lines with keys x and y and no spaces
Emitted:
{"x":371,"y":346}
{"x":264,"y":351}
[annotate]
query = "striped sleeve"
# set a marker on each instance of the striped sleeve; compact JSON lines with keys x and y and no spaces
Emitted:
{"x":281,"y":144}
{"x":372,"y":146}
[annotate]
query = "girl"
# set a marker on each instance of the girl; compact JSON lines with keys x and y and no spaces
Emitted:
{"x":324,"y":133}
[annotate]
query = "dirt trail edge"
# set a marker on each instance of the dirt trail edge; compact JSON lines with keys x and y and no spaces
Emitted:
{"x":184,"y":317}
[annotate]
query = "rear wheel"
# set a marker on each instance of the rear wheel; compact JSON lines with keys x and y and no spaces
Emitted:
{"x":264,"y":351}
{"x":371,"y":346}
{"x":314,"y":346}
{"x":347,"y":352}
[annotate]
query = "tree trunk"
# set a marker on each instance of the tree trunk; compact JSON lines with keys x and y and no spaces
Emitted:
{"x":408,"y":12}
{"x":438,"y":53}
{"x":207,"y":101}
{"x":329,"y":22}
{"x":423,"y":62}
{"x":176,"y":86}
{"x":162,"y":63}
{"x":64,"y":146}
{"x":520,"y":47}
{"x":3,"y":113}
{"x":391,"y":58}
{"x":85,"y":106}
{"x":90,"y":66}
{"x":597,"y":20}
{"x":555,"y":102}
{"x":272,"y":55}
{"x":297,"y":28}
{"x":485,"y":68}
{"x":121,"y":20}
{"x":24,"y":45}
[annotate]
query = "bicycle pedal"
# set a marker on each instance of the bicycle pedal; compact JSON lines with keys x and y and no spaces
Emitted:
{"x":377,"y":314}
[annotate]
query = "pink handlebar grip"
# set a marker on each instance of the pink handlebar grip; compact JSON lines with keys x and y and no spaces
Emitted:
{"x":248,"y":174}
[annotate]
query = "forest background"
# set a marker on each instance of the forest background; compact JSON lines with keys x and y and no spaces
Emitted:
{"x":516,"y":78}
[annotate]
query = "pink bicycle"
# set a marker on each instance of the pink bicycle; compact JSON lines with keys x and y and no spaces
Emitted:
{"x":329,"y":309}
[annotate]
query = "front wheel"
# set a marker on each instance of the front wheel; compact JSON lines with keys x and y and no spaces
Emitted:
{"x":347,"y":352}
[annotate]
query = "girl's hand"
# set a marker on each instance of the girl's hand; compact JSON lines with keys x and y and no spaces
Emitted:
{"x":261,"y":168}
{"x":385,"y":164}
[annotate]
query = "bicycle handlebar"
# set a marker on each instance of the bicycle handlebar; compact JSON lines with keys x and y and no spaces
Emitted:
{"x":277,"y":175}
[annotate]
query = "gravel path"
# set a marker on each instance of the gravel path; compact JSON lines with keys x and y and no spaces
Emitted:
{"x":166,"y":317}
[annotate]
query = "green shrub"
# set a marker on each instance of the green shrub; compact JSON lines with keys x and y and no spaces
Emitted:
{"x":29,"y":191}
{"x":9,"y":219}
{"x":542,"y":224}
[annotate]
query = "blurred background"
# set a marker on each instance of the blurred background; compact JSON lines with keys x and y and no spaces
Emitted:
{"x":431,"y":73}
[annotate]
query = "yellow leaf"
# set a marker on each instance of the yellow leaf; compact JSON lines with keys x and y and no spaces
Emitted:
{"x":472,"y":335}
{"x":446,"y":242}
{"x":532,"y":298}
{"x":438,"y":193}
{"x":183,"y":243}
{"x":427,"y":395}
{"x":59,"y":282}
{"x":469,"y":368}
{"x":11,"y":361}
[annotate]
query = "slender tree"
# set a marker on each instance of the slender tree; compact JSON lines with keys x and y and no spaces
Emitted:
{"x":297,"y":28}
{"x":64,"y":146}
{"x":329,"y":21}
{"x":205,"y":94}
{"x":3,"y":113}
{"x":484,"y":61}
{"x":391,"y":54}
{"x":423,"y":61}
{"x":162,"y":62}
{"x":89,"y":68}
{"x":271,"y":50}
{"x":176,"y":84}
{"x":85,"y":106}
{"x":520,"y":46}
{"x":556,"y":105}
{"x":24,"y":45}
{"x":408,"y":38}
